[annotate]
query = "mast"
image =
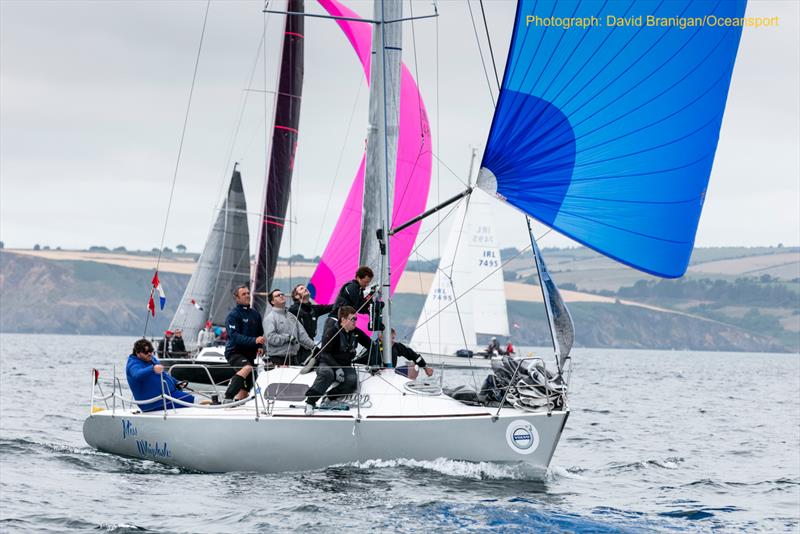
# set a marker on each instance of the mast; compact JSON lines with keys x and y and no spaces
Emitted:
{"x":281,"y":164}
{"x":384,"y":98}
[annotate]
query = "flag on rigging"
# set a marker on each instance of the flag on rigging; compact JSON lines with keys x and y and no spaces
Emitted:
{"x":162,"y":298}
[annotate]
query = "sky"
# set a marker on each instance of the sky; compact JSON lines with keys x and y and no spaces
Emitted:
{"x":93,"y":97}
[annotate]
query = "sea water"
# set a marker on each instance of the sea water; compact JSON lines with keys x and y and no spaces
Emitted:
{"x":656,"y":441}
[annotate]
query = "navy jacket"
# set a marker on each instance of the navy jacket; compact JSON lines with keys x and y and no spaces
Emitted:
{"x":244,"y":326}
{"x":146,"y":384}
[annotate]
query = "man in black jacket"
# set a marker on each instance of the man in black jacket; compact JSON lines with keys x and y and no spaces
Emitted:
{"x":307,"y":313}
{"x":352,"y":293}
{"x":339,"y":341}
{"x":398,"y":349}
{"x":245,"y":343}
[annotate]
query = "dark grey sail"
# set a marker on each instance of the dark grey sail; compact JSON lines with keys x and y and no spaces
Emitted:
{"x":223,"y":265}
{"x":281,"y":163}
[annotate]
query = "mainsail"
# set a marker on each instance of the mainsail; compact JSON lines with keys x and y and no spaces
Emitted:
{"x":340,"y":259}
{"x":224,"y":264}
{"x":281,"y":163}
{"x":608,"y":134}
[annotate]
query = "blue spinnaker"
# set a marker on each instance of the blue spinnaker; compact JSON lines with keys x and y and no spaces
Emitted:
{"x":607,"y":133}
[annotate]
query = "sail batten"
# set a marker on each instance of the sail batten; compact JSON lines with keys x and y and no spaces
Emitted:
{"x":608,"y":134}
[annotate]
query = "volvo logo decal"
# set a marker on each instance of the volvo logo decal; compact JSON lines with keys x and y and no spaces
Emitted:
{"x":522,"y":437}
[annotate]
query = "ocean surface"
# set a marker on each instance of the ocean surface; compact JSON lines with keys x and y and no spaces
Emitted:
{"x":657,"y":441}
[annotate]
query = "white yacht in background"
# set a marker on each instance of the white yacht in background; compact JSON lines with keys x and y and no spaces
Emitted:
{"x":467,"y":296}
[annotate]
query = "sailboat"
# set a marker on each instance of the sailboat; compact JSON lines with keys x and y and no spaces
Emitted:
{"x":606,"y":153}
{"x":467,"y":296}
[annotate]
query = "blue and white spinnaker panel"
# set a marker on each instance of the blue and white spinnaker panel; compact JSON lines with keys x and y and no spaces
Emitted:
{"x":608,"y":133}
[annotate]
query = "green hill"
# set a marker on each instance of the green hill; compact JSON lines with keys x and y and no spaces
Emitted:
{"x":84,"y":297}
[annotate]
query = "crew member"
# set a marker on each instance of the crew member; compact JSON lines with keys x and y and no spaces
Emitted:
{"x":145,"y":375}
{"x":352,"y":293}
{"x":339,"y":341}
{"x":283,"y":332}
{"x":307,"y":312}
{"x":398,"y":349}
{"x":245,"y":343}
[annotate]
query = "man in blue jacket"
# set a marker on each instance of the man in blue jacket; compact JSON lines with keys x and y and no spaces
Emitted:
{"x":245,"y":343}
{"x":145,"y":374}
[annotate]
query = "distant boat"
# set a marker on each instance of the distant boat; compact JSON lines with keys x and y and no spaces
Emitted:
{"x":224,"y":265}
{"x":467,"y":296}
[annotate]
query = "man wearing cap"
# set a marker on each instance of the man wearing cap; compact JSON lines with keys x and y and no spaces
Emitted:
{"x":178,"y":347}
{"x":164,"y":344}
{"x":206,"y":337}
{"x":245,"y":343}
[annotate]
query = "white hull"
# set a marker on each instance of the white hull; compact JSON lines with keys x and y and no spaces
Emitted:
{"x":409,"y":425}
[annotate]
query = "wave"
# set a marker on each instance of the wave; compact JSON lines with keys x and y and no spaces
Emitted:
{"x":88,"y":458}
{"x":695,"y":514}
{"x":672,"y":462}
{"x":461,"y":468}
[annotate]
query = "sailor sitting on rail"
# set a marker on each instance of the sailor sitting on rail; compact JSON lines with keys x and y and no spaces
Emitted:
{"x":339,"y":341}
{"x":145,"y":374}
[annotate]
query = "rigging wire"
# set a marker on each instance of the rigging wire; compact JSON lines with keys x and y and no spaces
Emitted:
{"x":180,"y":152}
{"x":228,"y":157}
{"x":491,"y":49}
{"x":480,"y":53}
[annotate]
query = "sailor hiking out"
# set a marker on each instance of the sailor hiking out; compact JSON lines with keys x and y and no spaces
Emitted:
{"x":284,"y":333}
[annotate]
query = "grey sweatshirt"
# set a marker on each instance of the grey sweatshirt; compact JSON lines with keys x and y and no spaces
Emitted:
{"x":279,"y":327}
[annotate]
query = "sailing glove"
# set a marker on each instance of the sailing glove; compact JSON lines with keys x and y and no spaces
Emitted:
{"x":339,"y":375}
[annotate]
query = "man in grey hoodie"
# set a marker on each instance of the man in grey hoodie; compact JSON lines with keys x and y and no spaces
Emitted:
{"x":283,"y":332}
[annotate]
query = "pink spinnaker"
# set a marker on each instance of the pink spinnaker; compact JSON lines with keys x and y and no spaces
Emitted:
{"x":339,"y":262}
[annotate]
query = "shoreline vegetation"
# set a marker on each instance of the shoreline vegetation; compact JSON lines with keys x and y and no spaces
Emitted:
{"x":731,"y":299}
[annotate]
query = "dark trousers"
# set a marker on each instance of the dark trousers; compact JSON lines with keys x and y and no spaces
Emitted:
{"x":326,"y":375}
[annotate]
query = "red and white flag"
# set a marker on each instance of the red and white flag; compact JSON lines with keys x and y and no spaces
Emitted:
{"x":196,"y":305}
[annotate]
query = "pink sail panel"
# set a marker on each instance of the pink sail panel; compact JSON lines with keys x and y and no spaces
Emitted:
{"x":413,"y":175}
